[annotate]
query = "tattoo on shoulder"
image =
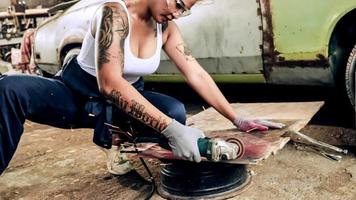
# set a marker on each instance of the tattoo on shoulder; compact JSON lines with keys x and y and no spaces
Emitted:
{"x":121,"y":19}
{"x":106,"y":35}
{"x":164,"y":26}
{"x":183,"y":49}
{"x":137,"y":111}
{"x":113,"y":18}
{"x":155,"y":31}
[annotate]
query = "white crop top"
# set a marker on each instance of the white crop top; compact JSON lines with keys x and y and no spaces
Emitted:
{"x":134,"y":67}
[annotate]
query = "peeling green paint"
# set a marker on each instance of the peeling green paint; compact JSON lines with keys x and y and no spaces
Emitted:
{"x":302,"y":28}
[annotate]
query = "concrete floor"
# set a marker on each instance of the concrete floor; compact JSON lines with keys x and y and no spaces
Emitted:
{"x":52,"y":163}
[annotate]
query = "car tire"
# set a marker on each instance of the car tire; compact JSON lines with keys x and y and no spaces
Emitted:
{"x":72,"y":52}
{"x":350,"y":81}
{"x":40,"y":72}
{"x":7,"y":57}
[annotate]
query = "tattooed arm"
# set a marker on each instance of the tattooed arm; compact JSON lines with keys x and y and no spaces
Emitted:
{"x":193,"y":73}
{"x":111,"y":29}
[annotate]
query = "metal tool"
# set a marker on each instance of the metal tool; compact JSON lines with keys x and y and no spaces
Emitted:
{"x":314,"y":145}
{"x":217,"y":149}
{"x":321,"y":152}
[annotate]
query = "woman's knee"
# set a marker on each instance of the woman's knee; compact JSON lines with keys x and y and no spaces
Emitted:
{"x":20,"y":85}
{"x":168,"y":105}
{"x":14,"y":90}
{"x":7,"y":84}
{"x":177,"y":111}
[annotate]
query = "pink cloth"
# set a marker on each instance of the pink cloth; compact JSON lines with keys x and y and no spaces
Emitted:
{"x":27,"y":64}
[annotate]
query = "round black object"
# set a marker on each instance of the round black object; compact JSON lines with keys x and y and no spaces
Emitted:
{"x":182,"y":180}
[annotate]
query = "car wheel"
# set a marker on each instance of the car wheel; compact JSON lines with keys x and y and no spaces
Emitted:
{"x":7,"y":57}
{"x":350,"y":77}
{"x":72,"y":52}
{"x":40,"y":72}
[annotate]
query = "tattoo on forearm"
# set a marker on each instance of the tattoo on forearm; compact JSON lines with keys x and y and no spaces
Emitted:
{"x":183,"y":49}
{"x":117,"y":99}
{"x":137,"y":110}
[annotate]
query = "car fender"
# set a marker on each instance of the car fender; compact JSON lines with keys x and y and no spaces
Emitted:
{"x":74,"y":38}
{"x":336,"y":19}
{"x":296,"y":41}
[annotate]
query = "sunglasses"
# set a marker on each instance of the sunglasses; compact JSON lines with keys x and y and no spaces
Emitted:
{"x":184,"y":11}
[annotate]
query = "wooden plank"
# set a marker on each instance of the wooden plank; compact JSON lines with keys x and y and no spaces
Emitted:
{"x":300,"y":112}
{"x":258,"y":145}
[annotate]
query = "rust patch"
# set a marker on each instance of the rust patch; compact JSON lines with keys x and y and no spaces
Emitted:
{"x":259,"y":12}
{"x":273,"y":58}
{"x":322,"y":61}
{"x":303,"y":63}
{"x":321,"y":57}
{"x":268,"y":53}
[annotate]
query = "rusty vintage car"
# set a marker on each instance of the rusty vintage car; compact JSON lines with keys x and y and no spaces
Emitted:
{"x":290,"y":42}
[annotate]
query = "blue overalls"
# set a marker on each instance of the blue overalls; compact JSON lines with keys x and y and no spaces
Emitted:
{"x":71,"y":100}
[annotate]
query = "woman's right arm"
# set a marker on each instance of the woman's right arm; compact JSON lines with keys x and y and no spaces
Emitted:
{"x":111,"y":29}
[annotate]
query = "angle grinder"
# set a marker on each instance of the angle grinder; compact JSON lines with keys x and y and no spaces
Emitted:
{"x":216,"y":149}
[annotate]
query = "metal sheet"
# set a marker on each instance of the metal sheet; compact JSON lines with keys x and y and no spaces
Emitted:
{"x":226,"y":30}
{"x":258,"y":146}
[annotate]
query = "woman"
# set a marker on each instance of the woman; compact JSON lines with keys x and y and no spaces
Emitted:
{"x":123,"y":43}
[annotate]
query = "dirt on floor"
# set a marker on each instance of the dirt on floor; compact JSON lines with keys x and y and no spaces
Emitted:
{"x":3,"y":68}
{"x":53,"y":163}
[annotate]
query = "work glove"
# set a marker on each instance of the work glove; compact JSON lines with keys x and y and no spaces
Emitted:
{"x":183,"y":140}
{"x":248,"y":125}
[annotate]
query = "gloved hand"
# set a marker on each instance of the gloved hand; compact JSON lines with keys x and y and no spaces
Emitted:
{"x":248,"y":125}
{"x":183,"y":140}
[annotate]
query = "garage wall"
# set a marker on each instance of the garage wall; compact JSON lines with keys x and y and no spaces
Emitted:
{"x":4,"y":4}
{"x":44,"y":3}
{"x":31,"y":3}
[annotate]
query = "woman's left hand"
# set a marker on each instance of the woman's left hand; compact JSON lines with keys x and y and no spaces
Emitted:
{"x":248,"y":125}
